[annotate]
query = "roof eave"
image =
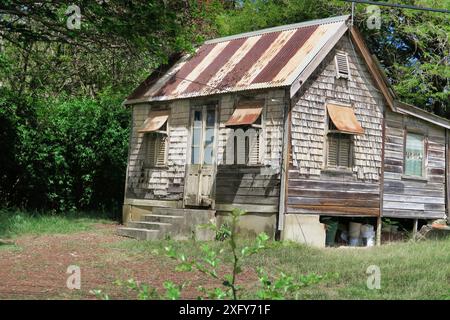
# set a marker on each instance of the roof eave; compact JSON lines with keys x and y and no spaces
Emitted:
{"x":405,"y":108}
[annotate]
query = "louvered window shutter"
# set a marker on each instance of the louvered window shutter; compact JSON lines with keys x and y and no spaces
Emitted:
{"x":161,"y":150}
{"x":254,"y":149}
{"x":344,"y":151}
{"x":342,"y":66}
{"x":332,"y":150}
{"x":150,"y":150}
{"x":339,"y":150}
{"x":155,"y":150}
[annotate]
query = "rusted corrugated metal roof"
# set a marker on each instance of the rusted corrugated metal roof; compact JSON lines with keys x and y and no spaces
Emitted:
{"x":268,"y":58}
{"x":246,"y":113}
{"x":155,"y":121}
{"x":344,"y":119}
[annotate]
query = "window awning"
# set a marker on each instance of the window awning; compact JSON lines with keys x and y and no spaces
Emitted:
{"x":155,"y":121}
{"x":246,"y":113}
{"x":344,"y":119}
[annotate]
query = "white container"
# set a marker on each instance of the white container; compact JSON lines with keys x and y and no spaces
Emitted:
{"x":354,"y":229}
{"x":370,"y":242}
{"x":369,"y":239}
{"x":354,"y":242}
{"x":366,"y":230}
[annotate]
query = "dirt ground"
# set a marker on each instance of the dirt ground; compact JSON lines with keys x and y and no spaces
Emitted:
{"x":35,"y":268}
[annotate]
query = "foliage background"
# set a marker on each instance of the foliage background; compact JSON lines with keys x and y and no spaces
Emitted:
{"x":63,"y":130}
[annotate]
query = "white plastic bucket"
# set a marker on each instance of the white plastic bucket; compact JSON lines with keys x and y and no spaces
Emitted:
{"x":370,"y":242}
{"x":354,"y":242}
{"x":354,"y":229}
{"x":366,"y":230}
{"x":369,"y":239}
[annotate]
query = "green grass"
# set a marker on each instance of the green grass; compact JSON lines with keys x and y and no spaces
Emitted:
{"x":15,"y":223}
{"x":409,"y":270}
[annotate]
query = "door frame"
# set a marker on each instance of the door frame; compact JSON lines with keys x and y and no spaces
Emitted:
{"x":203,"y":106}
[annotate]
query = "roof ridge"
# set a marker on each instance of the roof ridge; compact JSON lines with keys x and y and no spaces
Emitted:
{"x":279,"y":28}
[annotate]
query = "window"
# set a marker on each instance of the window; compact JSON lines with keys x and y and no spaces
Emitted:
{"x":342,"y":65}
{"x":155,"y":138}
{"x":414,"y":155}
{"x":339,"y":150}
{"x":244,"y":142}
{"x":342,"y":125}
{"x":155,"y":150}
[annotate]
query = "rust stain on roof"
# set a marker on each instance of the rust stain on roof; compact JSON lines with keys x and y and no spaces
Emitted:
{"x":344,"y":119}
{"x":267,"y":58}
{"x":155,"y":121}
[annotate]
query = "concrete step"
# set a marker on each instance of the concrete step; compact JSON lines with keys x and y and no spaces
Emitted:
{"x":179,"y":212}
{"x":140,"y":234}
{"x":162,"y":218}
{"x":148,"y":225}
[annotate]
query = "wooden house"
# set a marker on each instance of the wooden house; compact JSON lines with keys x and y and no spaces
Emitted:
{"x":290,"y":124}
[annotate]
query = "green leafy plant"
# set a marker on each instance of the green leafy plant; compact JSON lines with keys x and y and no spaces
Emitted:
{"x":211,"y":260}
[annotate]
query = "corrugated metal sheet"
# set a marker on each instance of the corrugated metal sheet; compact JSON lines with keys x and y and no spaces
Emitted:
{"x":155,"y":121}
{"x":344,"y":119}
{"x":267,"y":58}
{"x":246,"y":113}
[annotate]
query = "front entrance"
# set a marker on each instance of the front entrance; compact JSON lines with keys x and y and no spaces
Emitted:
{"x":201,"y":164}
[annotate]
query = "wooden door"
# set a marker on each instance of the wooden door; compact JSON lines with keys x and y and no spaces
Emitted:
{"x":201,"y":167}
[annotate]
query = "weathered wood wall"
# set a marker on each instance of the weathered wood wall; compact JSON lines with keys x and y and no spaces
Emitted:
{"x":159,"y":183}
{"x":256,"y":185}
{"x":413,"y":198}
{"x":311,"y":187}
{"x":235,"y":185}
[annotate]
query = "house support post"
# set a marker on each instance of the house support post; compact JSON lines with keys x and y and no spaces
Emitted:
{"x":378,"y":236}
{"x":415,"y":228}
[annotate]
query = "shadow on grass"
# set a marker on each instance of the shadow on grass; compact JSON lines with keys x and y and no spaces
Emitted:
{"x":15,"y":222}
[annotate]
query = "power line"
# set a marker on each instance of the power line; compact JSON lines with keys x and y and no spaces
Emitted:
{"x":395,"y":5}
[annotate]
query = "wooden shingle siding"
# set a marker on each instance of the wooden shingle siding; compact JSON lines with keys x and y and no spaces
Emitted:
{"x":312,"y":188}
{"x":165,"y":183}
{"x":413,"y":198}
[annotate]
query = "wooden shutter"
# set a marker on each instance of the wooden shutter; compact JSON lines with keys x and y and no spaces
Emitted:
{"x":332,"y":150}
{"x":160,"y":149}
{"x":342,"y":66}
{"x":155,"y":153}
{"x":254,"y":149}
{"x":339,"y":150}
{"x":344,"y":151}
{"x":150,"y":150}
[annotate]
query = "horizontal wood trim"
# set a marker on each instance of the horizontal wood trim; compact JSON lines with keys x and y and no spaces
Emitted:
{"x":332,"y":185}
{"x":413,"y":214}
{"x":333,"y":210}
{"x":332,"y":194}
{"x":247,"y":207}
{"x":242,"y":191}
{"x":254,"y":200}
{"x":152,"y":203}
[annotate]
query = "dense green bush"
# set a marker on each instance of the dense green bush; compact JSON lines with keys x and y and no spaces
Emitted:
{"x":63,"y":153}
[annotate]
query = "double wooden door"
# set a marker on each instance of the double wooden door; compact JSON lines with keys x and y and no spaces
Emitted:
{"x":201,"y":162}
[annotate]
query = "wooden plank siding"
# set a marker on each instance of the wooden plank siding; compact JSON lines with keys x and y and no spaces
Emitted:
{"x":239,"y":185}
{"x":413,"y":198}
{"x":312,"y":188}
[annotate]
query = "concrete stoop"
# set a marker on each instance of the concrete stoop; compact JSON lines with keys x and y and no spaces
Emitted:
{"x":177,"y":224}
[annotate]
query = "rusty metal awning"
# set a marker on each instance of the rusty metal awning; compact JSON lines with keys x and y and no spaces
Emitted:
{"x":344,"y":119}
{"x":246,"y":113}
{"x":155,"y":121}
